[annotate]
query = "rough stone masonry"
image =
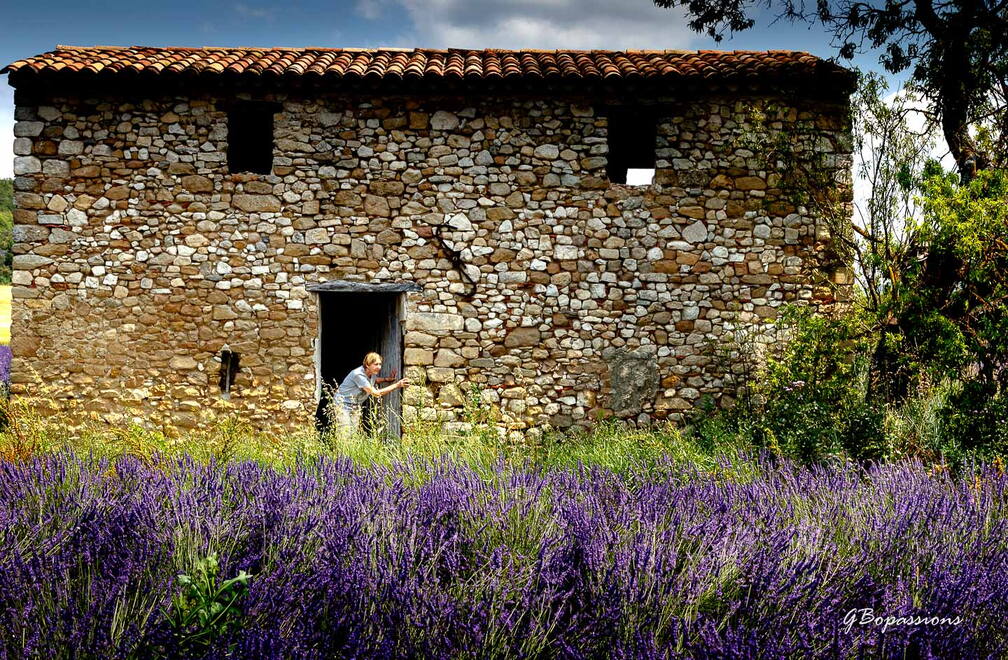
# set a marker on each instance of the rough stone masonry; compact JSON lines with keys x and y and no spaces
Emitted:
{"x":139,"y":256}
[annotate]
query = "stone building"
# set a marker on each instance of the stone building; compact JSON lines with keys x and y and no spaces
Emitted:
{"x":228,"y":228}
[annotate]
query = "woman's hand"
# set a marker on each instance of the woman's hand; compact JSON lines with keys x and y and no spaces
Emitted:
{"x":402,"y":383}
{"x":390,"y":379}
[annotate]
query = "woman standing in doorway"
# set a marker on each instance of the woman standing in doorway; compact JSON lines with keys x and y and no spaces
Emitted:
{"x":355,"y":389}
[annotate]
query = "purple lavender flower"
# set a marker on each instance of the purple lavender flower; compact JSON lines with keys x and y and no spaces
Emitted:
{"x":5,"y":363}
{"x":434,"y":559}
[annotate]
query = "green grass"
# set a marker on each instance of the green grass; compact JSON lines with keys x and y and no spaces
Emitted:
{"x":611,"y":445}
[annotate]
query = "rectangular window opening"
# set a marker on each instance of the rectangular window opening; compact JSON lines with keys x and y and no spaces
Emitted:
{"x":632,"y":137}
{"x":250,"y":137}
{"x":228,"y":371}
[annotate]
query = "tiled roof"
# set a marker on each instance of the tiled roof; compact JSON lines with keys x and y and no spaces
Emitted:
{"x":425,"y":64}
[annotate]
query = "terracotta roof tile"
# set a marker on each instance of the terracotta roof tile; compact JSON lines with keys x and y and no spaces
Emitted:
{"x":456,"y":64}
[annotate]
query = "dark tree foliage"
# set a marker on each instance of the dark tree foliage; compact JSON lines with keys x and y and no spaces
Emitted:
{"x":957,"y":52}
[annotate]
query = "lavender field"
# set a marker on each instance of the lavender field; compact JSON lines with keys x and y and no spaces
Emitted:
{"x":436,"y":558}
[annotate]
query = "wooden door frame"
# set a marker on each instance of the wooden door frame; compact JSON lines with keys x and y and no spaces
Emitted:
{"x":399,"y":307}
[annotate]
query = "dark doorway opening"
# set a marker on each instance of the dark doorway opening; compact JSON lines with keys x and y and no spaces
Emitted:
{"x":356,"y":319}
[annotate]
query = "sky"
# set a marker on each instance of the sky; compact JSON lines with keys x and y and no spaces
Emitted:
{"x":30,"y":28}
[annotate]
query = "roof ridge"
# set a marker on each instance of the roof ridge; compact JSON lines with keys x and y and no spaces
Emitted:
{"x":421,"y":49}
{"x":666,"y":66}
{"x":94,"y":47}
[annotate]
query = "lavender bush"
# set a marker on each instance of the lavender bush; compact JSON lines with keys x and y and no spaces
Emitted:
{"x":5,"y":363}
{"x":434,"y":558}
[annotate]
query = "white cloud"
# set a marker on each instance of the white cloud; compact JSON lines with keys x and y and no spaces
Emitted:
{"x":372,"y":9}
{"x":249,"y":11}
{"x":549,"y":24}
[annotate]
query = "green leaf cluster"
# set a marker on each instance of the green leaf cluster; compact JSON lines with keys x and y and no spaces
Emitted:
{"x":808,"y":398}
{"x":206,"y":609}
{"x":954,"y":304}
{"x":954,"y":307}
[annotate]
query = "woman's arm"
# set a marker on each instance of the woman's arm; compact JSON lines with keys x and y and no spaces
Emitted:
{"x":389,"y":379}
{"x":385,"y":390}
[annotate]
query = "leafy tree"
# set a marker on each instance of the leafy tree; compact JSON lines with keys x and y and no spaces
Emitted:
{"x":889,"y":155}
{"x":955,"y":304}
{"x":885,"y":239}
{"x":960,"y":291}
{"x":957,"y":51}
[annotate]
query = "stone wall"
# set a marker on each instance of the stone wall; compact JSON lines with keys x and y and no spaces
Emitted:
{"x":138,"y":256}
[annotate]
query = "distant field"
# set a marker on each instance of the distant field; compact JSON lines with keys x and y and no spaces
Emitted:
{"x":5,"y":314}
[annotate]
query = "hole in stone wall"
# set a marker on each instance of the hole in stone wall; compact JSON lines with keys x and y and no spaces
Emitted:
{"x":228,"y":371}
{"x":632,"y":135}
{"x":250,"y":137}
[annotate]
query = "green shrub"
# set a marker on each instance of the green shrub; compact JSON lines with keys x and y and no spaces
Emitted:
{"x":975,"y":420}
{"x":204,"y":611}
{"x":808,"y":398}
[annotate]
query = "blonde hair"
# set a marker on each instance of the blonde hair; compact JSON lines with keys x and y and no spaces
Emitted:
{"x":371,"y":358}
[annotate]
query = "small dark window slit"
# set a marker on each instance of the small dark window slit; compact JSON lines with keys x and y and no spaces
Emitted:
{"x":228,"y":371}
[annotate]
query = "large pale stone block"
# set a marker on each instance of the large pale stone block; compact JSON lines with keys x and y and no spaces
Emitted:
{"x":22,"y":146}
{"x":414,"y":338}
{"x":565,"y":252}
{"x":28,"y":128}
{"x":197,"y":184}
{"x":30,"y":261}
{"x":54,"y":167}
{"x":547,"y":151}
{"x":317,"y":235}
{"x":62,"y":236}
{"x":451,"y":395}
{"x":51,"y":219}
{"x":695,"y":233}
{"x":256,"y":203}
{"x":182,"y":363}
{"x":223,"y":313}
{"x":444,"y":121}
{"x":433,"y":322}
{"x":448,"y":358}
{"x":30,"y":233}
{"x":27,"y":165}
{"x":418,"y":356}
{"x":71,"y":147}
{"x":440,"y":375}
{"x":523,"y":337}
